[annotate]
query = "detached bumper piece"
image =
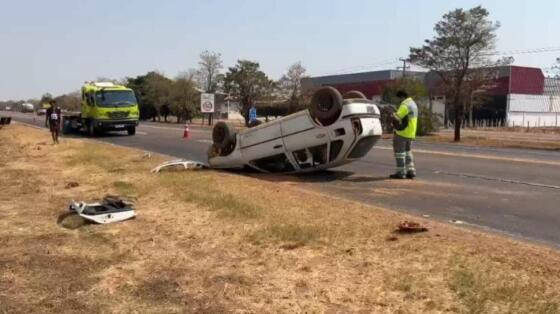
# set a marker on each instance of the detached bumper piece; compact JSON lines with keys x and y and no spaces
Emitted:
{"x":179,"y":165}
{"x":110,"y":209}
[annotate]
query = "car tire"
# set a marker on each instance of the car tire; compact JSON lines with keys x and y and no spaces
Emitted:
{"x":131,"y":130}
{"x":326,"y":105}
{"x":223,"y":137}
{"x":354,"y":94}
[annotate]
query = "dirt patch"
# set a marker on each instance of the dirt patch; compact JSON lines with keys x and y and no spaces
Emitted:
{"x":203,"y":243}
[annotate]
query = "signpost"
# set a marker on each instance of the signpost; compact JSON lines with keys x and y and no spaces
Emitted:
{"x":207,"y":105}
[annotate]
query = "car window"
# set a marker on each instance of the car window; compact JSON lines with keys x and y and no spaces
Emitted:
{"x":311,"y":157}
{"x":363,"y":146}
{"x":336,"y":146}
{"x":276,"y":163}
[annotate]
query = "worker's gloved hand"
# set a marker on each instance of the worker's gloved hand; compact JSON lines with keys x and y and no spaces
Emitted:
{"x":400,"y":124}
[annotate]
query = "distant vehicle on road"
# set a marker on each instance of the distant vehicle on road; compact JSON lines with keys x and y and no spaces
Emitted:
{"x":334,"y":131}
{"x":41,"y":111}
{"x":8,"y":108}
{"x":105,"y":106}
{"x":27,"y":107}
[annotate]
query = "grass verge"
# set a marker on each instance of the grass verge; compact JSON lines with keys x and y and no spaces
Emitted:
{"x":214,"y":242}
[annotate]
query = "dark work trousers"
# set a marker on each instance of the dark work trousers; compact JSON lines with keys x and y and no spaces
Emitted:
{"x":403,"y":154}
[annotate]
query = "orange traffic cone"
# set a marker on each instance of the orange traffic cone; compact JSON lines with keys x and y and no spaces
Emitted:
{"x":186,"y":131}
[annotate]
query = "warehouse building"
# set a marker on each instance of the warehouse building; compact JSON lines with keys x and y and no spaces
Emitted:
{"x":517,"y":96}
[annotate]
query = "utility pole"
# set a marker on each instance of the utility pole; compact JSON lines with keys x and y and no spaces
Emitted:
{"x":404,"y":66}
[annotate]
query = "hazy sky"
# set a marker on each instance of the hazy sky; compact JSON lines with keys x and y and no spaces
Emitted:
{"x":53,"y":46}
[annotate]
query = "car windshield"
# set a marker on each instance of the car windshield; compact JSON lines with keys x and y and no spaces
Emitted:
{"x":123,"y":98}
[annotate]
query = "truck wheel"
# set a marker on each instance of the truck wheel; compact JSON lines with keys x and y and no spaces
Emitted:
{"x":223,"y":136}
{"x":326,"y":105}
{"x":131,"y":130}
{"x":354,"y":94}
{"x":92,"y":132}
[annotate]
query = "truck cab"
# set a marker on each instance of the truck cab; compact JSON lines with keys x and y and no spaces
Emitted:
{"x":106,"y":106}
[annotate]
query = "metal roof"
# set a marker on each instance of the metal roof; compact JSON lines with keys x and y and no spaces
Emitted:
{"x":384,"y":75}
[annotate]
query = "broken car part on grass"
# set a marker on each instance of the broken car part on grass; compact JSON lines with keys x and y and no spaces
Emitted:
{"x":335,"y":130}
{"x":179,"y":165}
{"x":110,"y":209}
{"x":410,"y":227}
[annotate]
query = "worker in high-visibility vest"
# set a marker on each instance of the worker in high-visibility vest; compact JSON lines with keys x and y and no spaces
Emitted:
{"x":405,"y":123}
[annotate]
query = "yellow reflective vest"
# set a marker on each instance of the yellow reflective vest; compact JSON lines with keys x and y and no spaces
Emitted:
{"x":408,"y":108}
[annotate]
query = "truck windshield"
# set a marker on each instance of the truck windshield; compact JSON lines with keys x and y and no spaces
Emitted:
{"x":123,"y":98}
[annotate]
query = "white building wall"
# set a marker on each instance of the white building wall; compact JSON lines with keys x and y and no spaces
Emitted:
{"x":533,"y":103}
{"x":533,"y":110}
{"x":533,"y":119}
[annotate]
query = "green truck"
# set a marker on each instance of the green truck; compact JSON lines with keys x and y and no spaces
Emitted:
{"x":104,"y":107}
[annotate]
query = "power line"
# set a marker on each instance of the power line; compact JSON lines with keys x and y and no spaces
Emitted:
{"x":395,"y":61}
{"x":524,"y":51}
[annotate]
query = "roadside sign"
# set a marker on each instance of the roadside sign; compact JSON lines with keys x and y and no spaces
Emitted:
{"x":206,"y":103}
{"x":252,"y":114}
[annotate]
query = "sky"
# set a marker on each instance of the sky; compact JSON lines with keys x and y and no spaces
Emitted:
{"x":54,"y":46}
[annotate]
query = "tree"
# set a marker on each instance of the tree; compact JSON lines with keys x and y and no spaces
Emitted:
{"x":46,"y":98}
{"x":152,"y":91}
{"x":556,"y":69}
{"x":415,"y":89}
{"x":477,"y":82}
{"x":209,"y":75}
{"x":70,"y":101}
{"x":463,"y":41}
{"x":290,"y":87}
{"x":248,"y":83}
{"x":184,"y":96}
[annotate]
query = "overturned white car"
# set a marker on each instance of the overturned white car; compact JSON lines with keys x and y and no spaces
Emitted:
{"x":334,"y":131}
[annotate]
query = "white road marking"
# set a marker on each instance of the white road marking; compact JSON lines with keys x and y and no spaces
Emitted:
{"x":488,"y":157}
{"x":141,"y":133}
{"x":205,"y":141}
{"x":474,"y":176}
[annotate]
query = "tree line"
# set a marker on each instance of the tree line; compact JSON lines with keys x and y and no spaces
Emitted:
{"x":160,"y":97}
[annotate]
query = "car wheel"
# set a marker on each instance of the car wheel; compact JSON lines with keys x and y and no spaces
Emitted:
{"x":223,"y":136}
{"x":354,"y":94}
{"x":326,"y":105}
{"x":131,"y":130}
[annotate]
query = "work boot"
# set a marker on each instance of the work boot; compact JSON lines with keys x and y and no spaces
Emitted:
{"x":397,"y":175}
{"x":410,"y":174}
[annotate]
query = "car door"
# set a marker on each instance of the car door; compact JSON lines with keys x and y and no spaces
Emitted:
{"x":306,"y":143}
{"x":262,"y":147}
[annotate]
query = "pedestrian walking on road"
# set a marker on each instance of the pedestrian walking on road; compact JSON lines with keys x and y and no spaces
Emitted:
{"x":48,"y":114}
{"x":54,"y":119}
{"x":405,"y":122}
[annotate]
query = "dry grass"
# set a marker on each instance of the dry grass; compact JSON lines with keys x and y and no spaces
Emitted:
{"x":541,"y":130}
{"x":212,"y":242}
{"x":495,"y":142}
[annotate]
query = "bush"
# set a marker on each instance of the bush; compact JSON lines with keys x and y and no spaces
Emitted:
{"x":428,"y":122}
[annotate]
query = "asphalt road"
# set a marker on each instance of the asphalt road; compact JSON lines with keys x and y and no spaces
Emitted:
{"x":511,"y":191}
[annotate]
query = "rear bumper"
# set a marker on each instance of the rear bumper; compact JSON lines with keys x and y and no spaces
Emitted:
{"x":115,"y":124}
